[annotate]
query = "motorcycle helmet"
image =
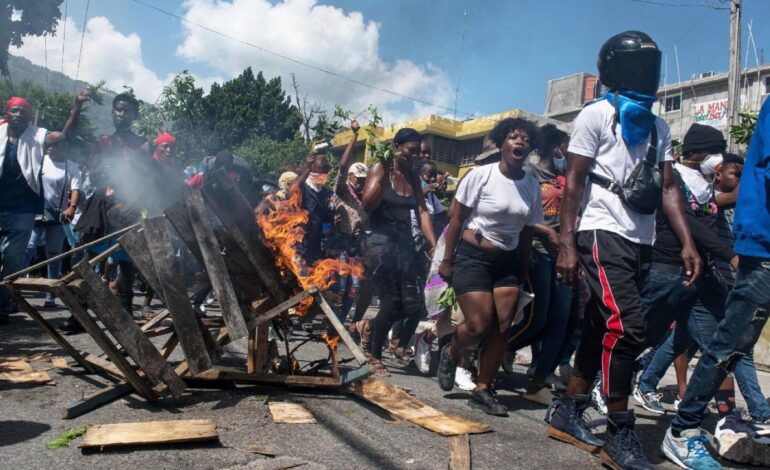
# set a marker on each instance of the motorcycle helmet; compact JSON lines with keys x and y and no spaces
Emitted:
{"x":630,"y":61}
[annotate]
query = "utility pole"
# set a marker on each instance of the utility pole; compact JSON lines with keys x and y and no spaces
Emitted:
{"x":734,"y":73}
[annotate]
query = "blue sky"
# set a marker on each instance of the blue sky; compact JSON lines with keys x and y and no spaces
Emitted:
{"x":512,"y":48}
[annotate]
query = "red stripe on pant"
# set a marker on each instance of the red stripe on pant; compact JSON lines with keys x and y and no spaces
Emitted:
{"x":614,"y":324}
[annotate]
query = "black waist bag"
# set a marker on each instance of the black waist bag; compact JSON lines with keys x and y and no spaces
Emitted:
{"x":643,"y":188}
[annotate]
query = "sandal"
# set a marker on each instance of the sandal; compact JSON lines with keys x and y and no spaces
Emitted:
{"x":365,"y":333}
{"x":378,"y":368}
{"x":403,"y":355}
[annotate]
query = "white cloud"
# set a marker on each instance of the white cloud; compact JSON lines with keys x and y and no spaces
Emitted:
{"x":107,"y":55}
{"x":321,"y":35}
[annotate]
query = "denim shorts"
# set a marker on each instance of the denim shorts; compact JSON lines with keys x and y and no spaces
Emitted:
{"x":478,"y":270}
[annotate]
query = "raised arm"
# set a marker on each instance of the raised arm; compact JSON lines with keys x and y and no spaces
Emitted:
{"x":72,"y":121}
{"x":345,"y":160}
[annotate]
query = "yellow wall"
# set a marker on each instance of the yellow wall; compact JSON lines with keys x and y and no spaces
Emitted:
{"x":441,"y":126}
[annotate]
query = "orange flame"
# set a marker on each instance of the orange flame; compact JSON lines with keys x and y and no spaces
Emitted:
{"x":331,"y":343}
{"x":282,"y":230}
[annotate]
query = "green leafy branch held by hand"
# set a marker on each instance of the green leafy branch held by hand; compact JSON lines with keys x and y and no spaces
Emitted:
{"x":379,"y":151}
{"x":96,"y":96}
{"x":743,"y":131}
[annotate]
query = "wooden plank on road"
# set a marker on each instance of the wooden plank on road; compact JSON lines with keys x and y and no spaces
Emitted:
{"x":149,"y":433}
{"x":121,"y":325}
{"x":186,"y":325}
{"x":459,"y":452}
{"x":215,"y":265}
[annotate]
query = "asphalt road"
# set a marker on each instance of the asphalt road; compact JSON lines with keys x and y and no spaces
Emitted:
{"x":349,"y":434}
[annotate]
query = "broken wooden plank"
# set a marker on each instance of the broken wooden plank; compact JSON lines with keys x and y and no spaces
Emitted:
{"x":39,"y":377}
{"x":179,"y":217}
{"x":121,"y":325}
{"x":125,"y":369}
{"x":237,"y":217}
{"x":36,"y":284}
{"x":401,"y":405}
{"x":15,"y":365}
{"x":261,"y":348}
{"x":96,"y":399}
{"x":215,"y":265}
{"x":282,"y":307}
{"x":135,"y":245}
{"x":340,"y":329}
{"x":59,"y":363}
{"x":459,"y":452}
{"x":187,"y":328}
{"x":106,"y":366}
{"x":290,"y":413}
{"x":22,"y":303}
{"x":162,"y":315}
{"x":149,"y":433}
{"x":277,"y":379}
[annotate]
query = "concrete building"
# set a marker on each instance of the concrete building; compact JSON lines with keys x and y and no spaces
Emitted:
{"x":454,"y":143}
{"x":702,"y":99}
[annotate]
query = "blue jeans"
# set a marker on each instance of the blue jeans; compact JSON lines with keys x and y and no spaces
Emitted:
{"x":664,"y":300}
{"x":51,"y":236}
{"x":15,"y":230}
{"x":704,"y":321}
{"x":733,"y":339}
{"x":548,"y":326}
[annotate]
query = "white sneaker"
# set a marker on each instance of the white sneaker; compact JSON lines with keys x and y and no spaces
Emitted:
{"x":422,"y":354}
{"x":542,"y":396}
{"x":689,"y":450}
{"x":464,"y":379}
{"x":596,"y":394}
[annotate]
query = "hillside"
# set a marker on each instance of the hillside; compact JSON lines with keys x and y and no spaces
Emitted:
{"x":22,"y":70}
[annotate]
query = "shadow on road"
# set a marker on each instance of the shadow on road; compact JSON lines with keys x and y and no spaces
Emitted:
{"x":13,"y":432}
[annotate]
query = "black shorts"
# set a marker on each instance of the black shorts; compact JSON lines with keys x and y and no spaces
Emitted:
{"x":478,"y":270}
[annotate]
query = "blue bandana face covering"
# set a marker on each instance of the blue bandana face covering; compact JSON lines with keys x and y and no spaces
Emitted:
{"x":636,"y":118}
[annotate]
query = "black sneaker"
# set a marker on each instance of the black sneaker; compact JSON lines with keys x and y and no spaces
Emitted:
{"x":71,"y":326}
{"x":485,"y":401}
{"x":622,"y":449}
{"x":569,"y":423}
{"x":446,"y":369}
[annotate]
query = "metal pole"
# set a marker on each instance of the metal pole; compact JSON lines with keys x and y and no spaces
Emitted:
{"x":41,"y":264}
{"x":734,"y":73}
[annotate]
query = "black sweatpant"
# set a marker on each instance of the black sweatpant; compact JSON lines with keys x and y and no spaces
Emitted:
{"x":613,"y":327}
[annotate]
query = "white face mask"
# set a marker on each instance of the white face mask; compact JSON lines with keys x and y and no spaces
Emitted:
{"x":559,"y":160}
{"x":710,"y":164}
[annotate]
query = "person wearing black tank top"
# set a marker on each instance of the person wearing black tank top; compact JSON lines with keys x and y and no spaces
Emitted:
{"x":392,"y":191}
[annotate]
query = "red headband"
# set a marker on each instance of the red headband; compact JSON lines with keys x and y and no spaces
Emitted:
{"x":165,"y":138}
{"x":16,"y":101}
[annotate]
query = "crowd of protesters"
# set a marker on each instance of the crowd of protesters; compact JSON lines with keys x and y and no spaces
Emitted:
{"x":600,"y":244}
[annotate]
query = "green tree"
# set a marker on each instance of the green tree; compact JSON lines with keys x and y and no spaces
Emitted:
{"x":743,"y":131}
{"x":248,"y":106}
{"x":269,"y":158}
{"x":181,"y":111}
{"x":33,"y":18}
{"x":51,"y":109}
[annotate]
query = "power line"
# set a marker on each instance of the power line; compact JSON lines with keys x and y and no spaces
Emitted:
{"x":687,"y":4}
{"x":82,"y":37}
{"x":296,"y":61}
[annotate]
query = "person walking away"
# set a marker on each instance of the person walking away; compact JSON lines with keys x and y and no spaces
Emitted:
{"x":60,"y":179}
{"x":552,"y":297}
{"x":488,"y":246}
{"x":391,"y":192}
{"x":612,"y":241}
{"x":22,"y":146}
{"x":742,"y":324}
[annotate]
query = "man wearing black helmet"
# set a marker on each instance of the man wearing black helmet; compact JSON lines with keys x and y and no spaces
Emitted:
{"x":611,"y":140}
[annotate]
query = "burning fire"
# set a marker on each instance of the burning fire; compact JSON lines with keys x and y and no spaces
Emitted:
{"x":283,"y":232}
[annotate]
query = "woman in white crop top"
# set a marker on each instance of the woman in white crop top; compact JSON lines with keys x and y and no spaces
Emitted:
{"x":488,"y":245}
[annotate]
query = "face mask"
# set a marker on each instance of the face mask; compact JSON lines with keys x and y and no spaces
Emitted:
{"x":318,"y":179}
{"x":710,"y":164}
{"x":559,"y":161}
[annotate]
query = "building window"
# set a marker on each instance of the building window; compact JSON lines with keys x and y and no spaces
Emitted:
{"x":673,"y":103}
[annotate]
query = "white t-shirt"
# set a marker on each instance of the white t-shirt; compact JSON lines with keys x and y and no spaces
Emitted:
{"x":602,"y":210}
{"x":501,"y":207}
{"x":54,"y":183}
